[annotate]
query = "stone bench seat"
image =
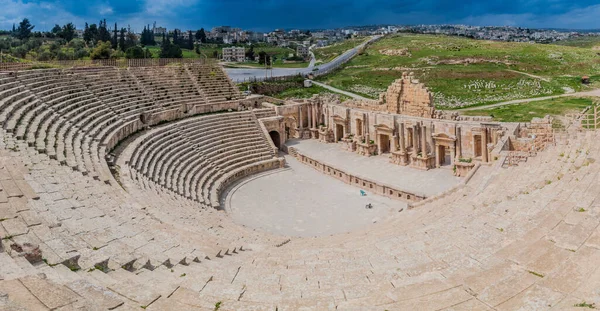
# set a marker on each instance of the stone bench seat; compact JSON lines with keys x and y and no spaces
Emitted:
{"x":141,"y":149}
{"x":198,"y":135}
{"x":19,"y":109}
{"x":146,"y":155}
{"x":157,"y":157}
{"x":220,"y":183}
{"x":234,"y":162}
{"x":185,"y":168}
{"x":26,"y":123}
{"x":228,"y":158}
{"x":200,"y":176}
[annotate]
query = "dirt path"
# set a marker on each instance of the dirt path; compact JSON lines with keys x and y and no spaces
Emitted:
{"x":529,"y":75}
{"x":336,"y":90}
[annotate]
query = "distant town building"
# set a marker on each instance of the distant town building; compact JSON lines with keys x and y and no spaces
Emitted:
{"x":234,"y":54}
{"x":302,"y":50}
{"x":160,"y":31}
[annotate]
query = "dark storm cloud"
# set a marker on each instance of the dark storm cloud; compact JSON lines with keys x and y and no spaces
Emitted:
{"x":268,"y":14}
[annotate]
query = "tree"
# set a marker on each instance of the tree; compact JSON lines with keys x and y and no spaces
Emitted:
{"x":87,"y":36}
{"x":198,"y":36}
{"x":250,"y":53}
{"x":190,"y":43}
{"x":135,"y":52}
{"x":24,"y":30}
{"x":122,"y":40}
{"x":101,"y":51}
{"x":114,"y":38}
{"x":103,"y":34}
{"x":93,"y":33}
{"x":170,"y":50}
{"x":175,"y":37}
{"x":68,"y":32}
{"x":263,"y":58}
{"x":202,"y":35}
{"x":130,"y":40}
{"x":56,"y":29}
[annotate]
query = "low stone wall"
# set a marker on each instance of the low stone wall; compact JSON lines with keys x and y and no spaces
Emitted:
{"x":360,"y":182}
{"x":448,"y":192}
{"x":224,"y":182}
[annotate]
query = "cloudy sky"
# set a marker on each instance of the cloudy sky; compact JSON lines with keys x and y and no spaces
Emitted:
{"x":304,"y":14}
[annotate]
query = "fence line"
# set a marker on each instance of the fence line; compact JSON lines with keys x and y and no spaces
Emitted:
{"x":123,"y":63}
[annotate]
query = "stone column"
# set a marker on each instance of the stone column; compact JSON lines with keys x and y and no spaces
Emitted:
{"x":437,"y":155}
{"x":415,"y":140}
{"x":458,"y":142}
{"x":424,"y":141}
{"x":430,"y":137}
{"x":402,"y":142}
{"x":452,"y":154}
{"x":315,"y":116}
{"x":364,"y":125}
{"x":484,"y":139}
{"x":309,"y":113}
{"x":366,"y":129}
{"x":301,"y":125}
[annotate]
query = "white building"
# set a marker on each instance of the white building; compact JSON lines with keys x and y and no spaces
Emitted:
{"x":234,"y":54}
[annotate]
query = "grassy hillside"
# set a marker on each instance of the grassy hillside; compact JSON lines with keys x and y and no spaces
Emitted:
{"x":582,"y":42}
{"x":524,"y":112}
{"x":464,"y":72}
{"x":328,"y":53}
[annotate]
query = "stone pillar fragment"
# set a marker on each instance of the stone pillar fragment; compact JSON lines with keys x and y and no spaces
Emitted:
{"x":424,"y":141}
{"x":402,"y":142}
{"x":484,"y":140}
{"x":415,"y":140}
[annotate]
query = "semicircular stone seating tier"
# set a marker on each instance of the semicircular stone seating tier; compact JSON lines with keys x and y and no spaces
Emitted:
{"x":195,"y":157}
{"x":77,"y":115}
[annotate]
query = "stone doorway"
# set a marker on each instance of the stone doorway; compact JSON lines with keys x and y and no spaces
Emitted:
{"x":445,"y":157}
{"x":477,"y":143}
{"x":339,"y":132}
{"x":384,"y":143}
{"x":276,"y":138}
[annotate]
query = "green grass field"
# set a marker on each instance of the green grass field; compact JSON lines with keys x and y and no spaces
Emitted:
{"x":463,"y":72}
{"x":526,"y":111}
{"x":328,"y":53}
{"x":302,"y":92}
{"x":582,"y":42}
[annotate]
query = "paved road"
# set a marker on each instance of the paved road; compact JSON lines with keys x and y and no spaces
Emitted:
{"x":595,"y":93}
{"x":241,"y":74}
{"x":313,"y":60}
{"x":331,"y":88}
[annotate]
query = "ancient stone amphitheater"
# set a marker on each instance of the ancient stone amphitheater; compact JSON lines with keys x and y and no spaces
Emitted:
{"x":115,"y":186}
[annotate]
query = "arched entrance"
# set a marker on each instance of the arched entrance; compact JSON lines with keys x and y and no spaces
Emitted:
{"x":276,"y":138}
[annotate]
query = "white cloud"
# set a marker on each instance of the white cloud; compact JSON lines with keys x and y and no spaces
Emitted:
{"x":43,"y":14}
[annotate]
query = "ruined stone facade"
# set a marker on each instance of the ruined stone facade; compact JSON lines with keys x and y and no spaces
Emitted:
{"x":408,"y":97}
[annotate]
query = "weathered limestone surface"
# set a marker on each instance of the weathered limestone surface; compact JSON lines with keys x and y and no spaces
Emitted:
{"x":408,"y":97}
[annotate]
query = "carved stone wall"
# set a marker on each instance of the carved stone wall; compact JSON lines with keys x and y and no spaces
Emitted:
{"x":407,"y":96}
